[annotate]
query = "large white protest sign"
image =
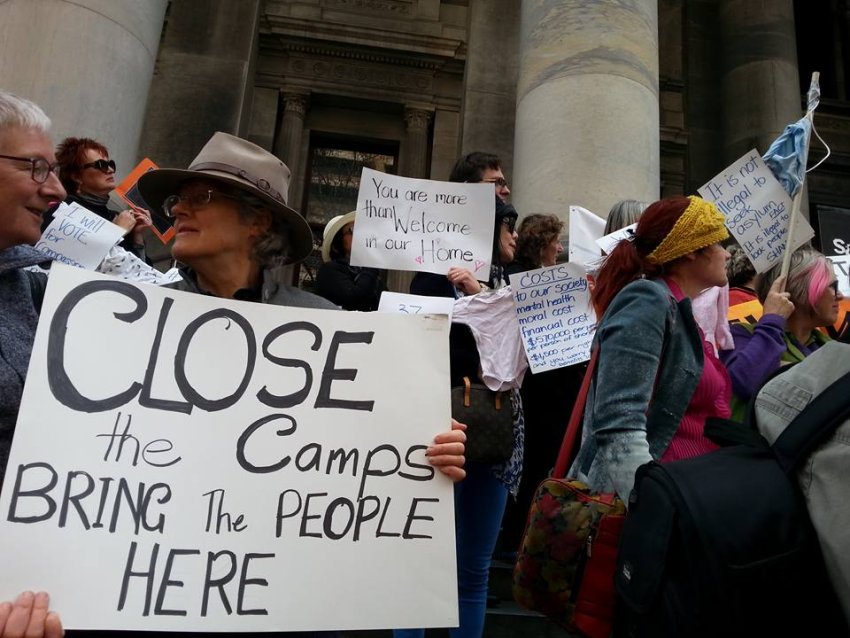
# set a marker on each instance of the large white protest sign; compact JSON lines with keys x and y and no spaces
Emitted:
{"x":402,"y":304}
{"x":183,"y":462}
{"x":556,"y":318}
{"x":757,"y":210}
{"x":78,"y":237}
{"x":423,"y":225}
{"x":585,"y":229}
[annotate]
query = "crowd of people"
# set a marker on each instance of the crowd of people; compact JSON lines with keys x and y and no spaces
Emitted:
{"x":662,"y":373}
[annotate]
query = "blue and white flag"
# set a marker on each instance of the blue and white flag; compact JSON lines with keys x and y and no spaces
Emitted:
{"x":786,"y":157}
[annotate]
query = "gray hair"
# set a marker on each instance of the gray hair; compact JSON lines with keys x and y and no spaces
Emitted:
{"x":624,"y":213}
{"x":739,"y":269}
{"x":17,"y":112}
{"x":272,"y":249}
{"x":805,"y":261}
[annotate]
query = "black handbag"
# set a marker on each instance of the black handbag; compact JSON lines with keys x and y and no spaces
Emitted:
{"x":489,"y":421}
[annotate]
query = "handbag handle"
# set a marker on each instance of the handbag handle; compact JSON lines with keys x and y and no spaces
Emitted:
{"x":565,"y":455}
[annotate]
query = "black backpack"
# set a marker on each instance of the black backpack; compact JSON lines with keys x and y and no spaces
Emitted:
{"x":722,"y":544}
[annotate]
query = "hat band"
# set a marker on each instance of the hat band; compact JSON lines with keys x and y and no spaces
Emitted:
{"x":260,"y":183}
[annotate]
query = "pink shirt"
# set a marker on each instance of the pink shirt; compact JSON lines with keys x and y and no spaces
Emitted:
{"x":711,"y":398}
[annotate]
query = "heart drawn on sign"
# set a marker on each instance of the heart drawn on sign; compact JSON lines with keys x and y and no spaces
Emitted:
{"x":478,"y":264}
{"x":419,"y":260}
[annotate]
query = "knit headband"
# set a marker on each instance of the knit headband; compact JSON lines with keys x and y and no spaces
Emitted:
{"x":699,"y":226}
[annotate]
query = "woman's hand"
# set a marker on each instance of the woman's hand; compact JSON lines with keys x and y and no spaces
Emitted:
{"x":447,"y":452}
{"x":463,"y":280}
{"x":778,"y":302}
{"x":143,"y":220}
{"x":29,"y":617}
{"x":126,"y":220}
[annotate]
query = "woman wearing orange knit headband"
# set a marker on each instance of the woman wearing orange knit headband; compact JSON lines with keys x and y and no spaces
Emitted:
{"x":656,"y":379}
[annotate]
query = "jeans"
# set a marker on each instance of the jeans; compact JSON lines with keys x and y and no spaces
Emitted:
{"x":479,"y":504}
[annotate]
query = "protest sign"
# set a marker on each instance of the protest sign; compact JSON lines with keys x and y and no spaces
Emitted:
{"x":747,"y":312}
{"x":402,"y":304}
{"x":834,"y":230}
{"x":608,"y":242}
{"x":128,"y":190}
{"x":841,"y":266}
{"x":757,"y":210}
{"x":556,"y":318}
{"x":78,"y":237}
{"x":423,"y":225}
{"x":585,"y":229}
{"x":183,"y":462}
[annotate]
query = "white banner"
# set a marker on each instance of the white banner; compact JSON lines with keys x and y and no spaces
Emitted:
{"x":585,"y":229}
{"x":556,"y":318}
{"x":422,"y":225}
{"x":78,"y":237}
{"x":757,"y":210}
{"x":183,"y":462}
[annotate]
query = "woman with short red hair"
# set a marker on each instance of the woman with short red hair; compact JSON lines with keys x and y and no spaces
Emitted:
{"x":656,"y":380}
{"x":88,"y":176}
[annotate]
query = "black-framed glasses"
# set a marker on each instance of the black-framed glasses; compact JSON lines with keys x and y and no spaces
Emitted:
{"x":509,"y":223}
{"x":102,"y":165}
{"x":834,"y":286}
{"x":501,"y":182}
{"x":193,"y":201}
{"x":40,"y":167}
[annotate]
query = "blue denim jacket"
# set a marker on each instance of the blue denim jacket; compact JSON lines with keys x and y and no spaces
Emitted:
{"x":644,"y":334}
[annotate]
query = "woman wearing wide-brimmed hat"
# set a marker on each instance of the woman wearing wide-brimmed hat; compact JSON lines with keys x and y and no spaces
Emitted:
{"x":233,"y":224}
{"x":352,"y":287}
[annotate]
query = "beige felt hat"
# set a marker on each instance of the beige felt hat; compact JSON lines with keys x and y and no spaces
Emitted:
{"x":243,"y":165}
{"x":331,"y":229}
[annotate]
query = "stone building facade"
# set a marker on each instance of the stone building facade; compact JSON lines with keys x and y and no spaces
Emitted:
{"x":586,"y":102}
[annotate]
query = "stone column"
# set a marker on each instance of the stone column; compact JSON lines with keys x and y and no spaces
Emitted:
{"x":490,"y":80}
{"x":204,"y":77}
{"x":290,"y":135}
{"x":87,"y":63}
{"x":412,"y":163}
{"x":760,"y":81}
{"x":587,"y":114}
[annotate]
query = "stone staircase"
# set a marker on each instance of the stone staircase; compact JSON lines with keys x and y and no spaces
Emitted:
{"x":505,"y":618}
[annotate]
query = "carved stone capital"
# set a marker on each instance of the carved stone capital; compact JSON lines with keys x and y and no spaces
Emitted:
{"x":296,"y":103}
{"x":417,"y":119}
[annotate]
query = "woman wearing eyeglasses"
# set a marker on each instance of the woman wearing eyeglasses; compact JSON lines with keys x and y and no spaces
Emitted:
{"x":88,"y":176}
{"x":788,"y":330}
{"x":350,"y":287}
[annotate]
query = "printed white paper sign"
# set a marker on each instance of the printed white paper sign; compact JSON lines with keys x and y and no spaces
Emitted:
{"x":78,"y":237}
{"x":401,"y":304}
{"x":757,"y":209}
{"x":556,"y":318}
{"x":183,"y":462}
{"x":422,"y":225}
{"x":608,"y":242}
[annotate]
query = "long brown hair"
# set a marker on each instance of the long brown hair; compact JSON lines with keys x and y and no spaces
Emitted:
{"x":627,"y":261}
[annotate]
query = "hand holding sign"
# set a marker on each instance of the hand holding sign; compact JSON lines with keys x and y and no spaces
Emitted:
{"x":78,"y":237}
{"x":423,"y":225}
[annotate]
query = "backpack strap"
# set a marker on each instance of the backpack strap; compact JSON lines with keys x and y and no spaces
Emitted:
{"x":813,"y":424}
{"x":38,"y":284}
{"x":565,"y":456}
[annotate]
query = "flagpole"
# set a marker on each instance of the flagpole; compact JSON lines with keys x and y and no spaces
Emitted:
{"x":798,"y":197}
